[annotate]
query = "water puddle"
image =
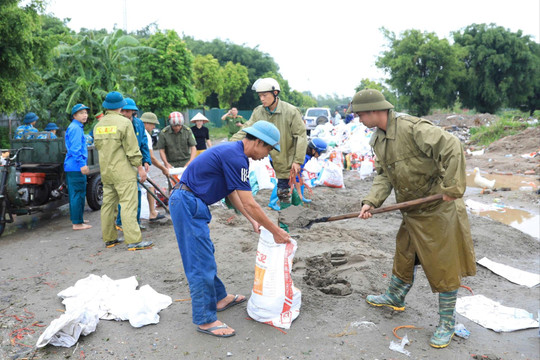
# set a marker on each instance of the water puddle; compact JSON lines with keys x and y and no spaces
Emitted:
{"x":514,"y":182}
{"x":523,"y":220}
{"x":519,"y":219}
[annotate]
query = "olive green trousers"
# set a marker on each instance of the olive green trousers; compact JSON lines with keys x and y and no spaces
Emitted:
{"x":125,"y":194}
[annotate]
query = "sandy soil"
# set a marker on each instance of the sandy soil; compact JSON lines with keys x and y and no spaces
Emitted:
{"x":337,"y":264}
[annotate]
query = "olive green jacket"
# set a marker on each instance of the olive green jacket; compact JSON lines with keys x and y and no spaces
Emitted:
{"x":118,"y":149}
{"x":231,"y":123}
{"x":177,"y":146}
{"x":417,"y":159}
{"x":293,"y":138}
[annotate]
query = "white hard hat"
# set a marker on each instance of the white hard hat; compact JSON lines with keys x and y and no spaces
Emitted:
{"x":265,"y":85}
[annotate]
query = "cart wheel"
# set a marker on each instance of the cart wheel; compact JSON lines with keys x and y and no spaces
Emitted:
{"x":94,"y":192}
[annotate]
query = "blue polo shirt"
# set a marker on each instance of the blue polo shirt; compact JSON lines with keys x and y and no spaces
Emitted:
{"x":217,"y":172}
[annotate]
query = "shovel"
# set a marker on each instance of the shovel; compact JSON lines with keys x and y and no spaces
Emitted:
{"x":383,"y":209}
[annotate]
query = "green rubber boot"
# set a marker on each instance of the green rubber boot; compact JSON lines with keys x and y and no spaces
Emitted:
{"x":445,"y":330}
{"x":394,"y":297}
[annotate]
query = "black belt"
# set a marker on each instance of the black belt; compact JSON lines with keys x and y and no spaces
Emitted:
{"x":184,"y":187}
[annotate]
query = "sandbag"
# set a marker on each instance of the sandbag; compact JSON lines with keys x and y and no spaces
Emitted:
{"x":331,"y":176}
{"x":274,"y":298}
{"x":263,"y":172}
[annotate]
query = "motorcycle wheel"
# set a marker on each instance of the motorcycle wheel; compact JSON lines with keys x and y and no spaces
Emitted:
{"x":94,"y":192}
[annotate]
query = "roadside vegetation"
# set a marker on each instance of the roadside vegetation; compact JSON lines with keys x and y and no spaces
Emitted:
{"x":508,"y":122}
{"x":46,"y":68}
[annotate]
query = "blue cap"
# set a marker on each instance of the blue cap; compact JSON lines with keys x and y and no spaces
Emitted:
{"x":265,"y":131}
{"x":114,"y":100}
{"x":51,"y":126}
{"x":79,"y":107}
{"x":30,"y":118}
{"x":130,"y":105}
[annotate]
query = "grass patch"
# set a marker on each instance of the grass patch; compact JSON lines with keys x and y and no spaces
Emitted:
{"x":217,"y":133}
{"x":508,"y":123}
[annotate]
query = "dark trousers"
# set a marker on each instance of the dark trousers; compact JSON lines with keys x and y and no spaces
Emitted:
{"x":76,"y":182}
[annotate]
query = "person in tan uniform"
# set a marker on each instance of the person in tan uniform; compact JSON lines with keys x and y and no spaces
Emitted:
{"x":288,"y":120}
{"x":120,"y":160}
{"x":417,"y":159}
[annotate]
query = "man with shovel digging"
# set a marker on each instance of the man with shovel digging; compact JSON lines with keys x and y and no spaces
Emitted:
{"x":417,"y":159}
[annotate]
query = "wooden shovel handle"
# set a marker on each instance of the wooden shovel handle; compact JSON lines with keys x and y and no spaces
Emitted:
{"x":383,"y":209}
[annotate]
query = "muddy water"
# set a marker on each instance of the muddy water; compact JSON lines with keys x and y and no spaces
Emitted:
{"x":514,"y":182}
{"x":525,"y":221}
{"x":522,"y":220}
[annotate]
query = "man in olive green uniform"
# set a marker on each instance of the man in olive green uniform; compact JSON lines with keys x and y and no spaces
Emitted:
{"x":418,"y":159}
{"x":120,"y":159}
{"x":293,"y":142}
{"x":176,"y":143}
{"x":233,"y":120}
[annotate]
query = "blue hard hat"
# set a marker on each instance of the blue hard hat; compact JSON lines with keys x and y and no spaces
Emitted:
{"x":130,"y":105}
{"x":265,"y":131}
{"x":78,"y":107}
{"x":30,"y":118}
{"x":114,"y":100}
{"x":319,"y":145}
{"x":51,"y":126}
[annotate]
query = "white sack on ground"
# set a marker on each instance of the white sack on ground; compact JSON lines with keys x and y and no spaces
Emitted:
{"x":66,"y":330}
{"x":274,"y":299}
{"x":96,"y":297}
{"x":512,"y":274}
{"x":494,"y":316}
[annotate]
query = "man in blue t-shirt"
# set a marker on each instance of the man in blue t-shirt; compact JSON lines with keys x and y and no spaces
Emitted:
{"x":219,"y":172}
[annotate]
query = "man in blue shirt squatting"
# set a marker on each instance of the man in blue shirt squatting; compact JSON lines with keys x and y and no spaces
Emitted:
{"x":130,"y":111}
{"x":221,"y":171}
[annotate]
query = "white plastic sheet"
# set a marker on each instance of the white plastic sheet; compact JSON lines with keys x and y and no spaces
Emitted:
{"x":94,"y":298}
{"x":492,"y":315}
{"x":512,"y":274}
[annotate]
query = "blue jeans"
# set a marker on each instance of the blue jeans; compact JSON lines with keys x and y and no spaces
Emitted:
{"x":190,"y":217}
{"x":76,"y":182}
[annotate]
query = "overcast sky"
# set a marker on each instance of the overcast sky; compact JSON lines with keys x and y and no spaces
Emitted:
{"x":325,"y":47}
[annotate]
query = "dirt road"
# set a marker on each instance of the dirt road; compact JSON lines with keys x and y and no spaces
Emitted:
{"x":43,"y":256}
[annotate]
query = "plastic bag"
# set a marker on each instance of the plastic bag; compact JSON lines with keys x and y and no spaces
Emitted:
{"x":274,"y":298}
{"x":263,"y":171}
{"x":331,"y":176}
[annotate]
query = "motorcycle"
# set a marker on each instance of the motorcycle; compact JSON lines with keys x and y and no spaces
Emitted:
{"x":32,"y":178}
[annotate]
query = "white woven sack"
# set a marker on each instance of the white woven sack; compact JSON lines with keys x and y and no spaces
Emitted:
{"x":274,"y":298}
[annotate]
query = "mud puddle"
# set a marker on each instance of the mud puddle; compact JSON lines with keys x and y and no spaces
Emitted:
{"x":512,"y":182}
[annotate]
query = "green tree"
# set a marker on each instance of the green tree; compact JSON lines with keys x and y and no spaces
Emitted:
{"x":423,"y":69}
{"x":207,"y":77}
{"x":164,"y":77}
{"x":22,"y":50}
{"x":85,"y":68}
{"x":502,"y":68}
{"x":369,"y":84}
{"x":302,"y":100}
{"x":257,"y":62}
{"x":235,"y":79}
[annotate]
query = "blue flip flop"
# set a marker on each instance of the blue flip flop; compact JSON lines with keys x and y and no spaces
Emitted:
{"x":209,"y":331}
{"x":232,"y":303}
